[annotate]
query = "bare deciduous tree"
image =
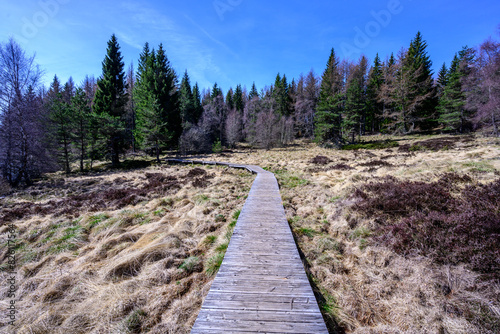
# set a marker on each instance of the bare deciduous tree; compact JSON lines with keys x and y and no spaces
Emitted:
{"x":483,"y":87}
{"x":233,"y":128}
{"x":23,"y":154}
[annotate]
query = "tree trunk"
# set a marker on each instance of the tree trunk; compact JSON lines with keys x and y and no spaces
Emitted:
{"x":495,"y":127}
{"x":157,"y":148}
{"x":115,"y":157}
{"x":66,"y":156}
{"x":82,"y":155}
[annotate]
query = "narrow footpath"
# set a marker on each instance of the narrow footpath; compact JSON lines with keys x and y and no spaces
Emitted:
{"x":261,"y":286}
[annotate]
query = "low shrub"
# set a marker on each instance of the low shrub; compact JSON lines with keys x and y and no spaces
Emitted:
{"x":376,"y":145}
{"x":320,"y":160}
{"x":430,"y":219}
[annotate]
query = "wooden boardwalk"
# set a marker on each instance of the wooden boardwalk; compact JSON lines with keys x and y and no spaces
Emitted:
{"x":261,"y":286}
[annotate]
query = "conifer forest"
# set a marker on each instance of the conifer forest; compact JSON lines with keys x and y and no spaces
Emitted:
{"x":154,"y":108}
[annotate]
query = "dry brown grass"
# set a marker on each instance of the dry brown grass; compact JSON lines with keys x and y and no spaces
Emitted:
{"x":118,"y":252}
{"x":366,"y":286}
{"x":139,"y":267}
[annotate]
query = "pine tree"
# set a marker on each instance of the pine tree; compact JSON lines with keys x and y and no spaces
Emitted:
{"x":281,"y":95}
{"x":61,"y":123}
{"x":186,"y":103}
{"x":81,"y":130}
{"x":374,"y":108}
{"x":452,"y":101}
{"x":158,"y":118}
{"x":410,"y":91}
{"x":229,"y":99}
{"x":354,"y":115}
{"x":442,"y":79}
{"x":387,"y":95}
{"x":167,"y":95}
{"x":328,"y":115}
{"x":68,"y":90}
{"x":198,"y":108}
{"x":422,"y":96}
{"x":392,"y":60}
{"x":216,"y":91}
{"x":253,"y":92}
{"x":239,"y":102}
{"x":110,"y":100}
{"x":130,"y":108}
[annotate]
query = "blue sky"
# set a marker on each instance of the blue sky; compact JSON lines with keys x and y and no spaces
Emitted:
{"x":240,"y":41}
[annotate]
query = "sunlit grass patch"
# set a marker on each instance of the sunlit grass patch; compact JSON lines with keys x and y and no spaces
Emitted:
{"x":213,"y":263}
{"x":96,"y":220}
{"x":480,"y":167}
{"x":192,"y":263}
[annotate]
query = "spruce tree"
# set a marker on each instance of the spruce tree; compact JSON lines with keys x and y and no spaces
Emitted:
{"x":229,"y":99}
{"x":198,"y":107}
{"x":239,"y":102}
{"x":452,"y":101}
{"x":82,"y":122}
{"x":328,"y":116}
{"x":110,"y":100}
{"x":216,"y":91}
{"x":61,"y":122}
{"x":421,"y":96}
{"x":281,"y":95}
{"x":61,"y":128}
{"x":253,"y":92}
{"x":442,"y":79}
{"x":354,"y":115}
{"x":186,"y":103}
{"x":167,"y":95}
{"x":157,"y":99}
{"x":374,"y":107}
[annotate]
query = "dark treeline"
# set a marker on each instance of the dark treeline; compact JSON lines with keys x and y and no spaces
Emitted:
{"x":151,"y":110}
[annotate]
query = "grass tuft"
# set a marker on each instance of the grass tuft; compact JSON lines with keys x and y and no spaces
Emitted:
{"x":213,"y":263}
{"x":191,"y":264}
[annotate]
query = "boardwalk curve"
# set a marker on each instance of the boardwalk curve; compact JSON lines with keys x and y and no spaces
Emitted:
{"x":261,"y":286}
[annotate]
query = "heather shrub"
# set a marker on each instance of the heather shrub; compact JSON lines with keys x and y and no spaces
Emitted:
{"x":320,"y":160}
{"x":448,"y":223}
{"x":340,"y":166}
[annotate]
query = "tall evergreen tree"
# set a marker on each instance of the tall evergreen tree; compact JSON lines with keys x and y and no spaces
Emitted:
{"x":167,"y":95}
{"x":239,"y":102}
{"x":216,"y":91}
{"x":328,"y":115}
{"x":442,"y":80}
{"x":253,"y":92}
{"x":198,"y":107}
{"x":374,"y":107}
{"x":186,"y":102}
{"x":452,"y":101}
{"x":387,"y":95}
{"x":158,"y":116}
{"x":61,"y":123}
{"x":130,"y":108}
{"x":281,"y":95}
{"x":68,"y":90}
{"x":418,"y":67}
{"x":81,"y":125}
{"x":354,"y":115}
{"x":110,"y":100}
{"x":229,"y":99}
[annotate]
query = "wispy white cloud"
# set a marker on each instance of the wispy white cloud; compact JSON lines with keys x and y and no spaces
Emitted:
{"x":185,"y":50}
{"x":128,"y":39}
{"x":213,"y":39}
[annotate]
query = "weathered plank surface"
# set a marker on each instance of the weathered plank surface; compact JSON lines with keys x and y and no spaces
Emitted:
{"x":261,"y":286}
